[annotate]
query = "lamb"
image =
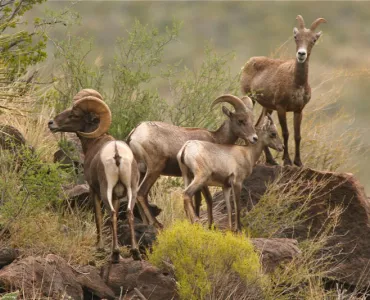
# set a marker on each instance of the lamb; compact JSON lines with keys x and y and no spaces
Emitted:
{"x":282,"y":85}
{"x":206,"y":164}
{"x":156,"y":144}
{"x":109,"y":167}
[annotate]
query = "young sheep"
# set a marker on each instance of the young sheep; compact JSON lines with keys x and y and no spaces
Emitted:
{"x":282,"y":85}
{"x":109,"y":167}
{"x":206,"y":164}
{"x":156,"y":144}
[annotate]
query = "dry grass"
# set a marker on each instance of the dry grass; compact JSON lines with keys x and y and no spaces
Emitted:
{"x":71,"y":236}
{"x":167,"y":193}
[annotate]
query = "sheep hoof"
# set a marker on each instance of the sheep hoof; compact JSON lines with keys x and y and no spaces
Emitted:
{"x":298,"y":163}
{"x":272,"y":162}
{"x":115,"y":256}
{"x":287,"y":162}
{"x":135,"y":254}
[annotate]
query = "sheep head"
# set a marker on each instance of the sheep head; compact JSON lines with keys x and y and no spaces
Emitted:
{"x":90,"y":117}
{"x":267,"y":133}
{"x":305,"y":38}
{"x":241,"y":121}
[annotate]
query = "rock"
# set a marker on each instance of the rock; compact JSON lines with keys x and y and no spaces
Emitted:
{"x":145,"y":235}
{"x":52,"y":277}
{"x":129,"y":274}
{"x":93,"y":285}
{"x":7,"y":255}
{"x":47,"y":277}
{"x":78,"y":195}
{"x":350,"y":244}
{"x":275,"y":252}
{"x":11,"y":138}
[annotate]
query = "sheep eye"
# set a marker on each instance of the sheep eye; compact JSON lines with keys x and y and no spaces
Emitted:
{"x":273,"y":135}
{"x":241,"y":122}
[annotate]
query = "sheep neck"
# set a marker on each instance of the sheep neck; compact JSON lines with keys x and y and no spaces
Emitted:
{"x":301,"y":72}
{"x":224,"y":135}
{"x":93,"y":144}
{"x":255,"y":151}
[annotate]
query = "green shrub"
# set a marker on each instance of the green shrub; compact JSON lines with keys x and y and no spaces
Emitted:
{"x":203,"y":258}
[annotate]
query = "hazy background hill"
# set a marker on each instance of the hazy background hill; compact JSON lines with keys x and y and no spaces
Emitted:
{"x":340,"y":61}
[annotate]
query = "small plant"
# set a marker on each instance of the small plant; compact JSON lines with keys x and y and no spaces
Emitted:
{"x":202,"y":259}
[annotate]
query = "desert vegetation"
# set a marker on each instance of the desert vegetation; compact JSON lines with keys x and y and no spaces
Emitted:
{"x":145,"y":72}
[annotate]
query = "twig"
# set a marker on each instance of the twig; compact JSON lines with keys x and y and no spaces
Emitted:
{"x":140,"y":295}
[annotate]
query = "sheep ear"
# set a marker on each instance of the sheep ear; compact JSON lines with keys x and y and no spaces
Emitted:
{"x":318,"y":34}
{"x":227,"y":112}
{"x":295,"y":31}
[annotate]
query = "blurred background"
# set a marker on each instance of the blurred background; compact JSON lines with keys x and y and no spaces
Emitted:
{"x":339,"y":64}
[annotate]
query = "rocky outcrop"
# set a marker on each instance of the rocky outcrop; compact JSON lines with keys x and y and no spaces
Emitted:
{"x":274,"y":252}
{"x":128,"y":275}
{"x":350,"y":243}
{"x":7,"y":256}
{"x":52,"y":277}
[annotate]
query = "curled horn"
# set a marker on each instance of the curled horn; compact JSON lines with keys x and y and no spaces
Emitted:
{"x":261,"y":118}
{"x":316,"y":23}
{"x":300,"y":22}
{"x":248,"y":102}
{"x":238,"y":104}
{"x":97,"y":106}
{"x":87,"y":92}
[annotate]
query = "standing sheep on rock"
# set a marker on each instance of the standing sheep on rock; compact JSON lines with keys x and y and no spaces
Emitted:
{"x":282,"y":85}
{"x":156,"y":144}
{"x":109,"y":167}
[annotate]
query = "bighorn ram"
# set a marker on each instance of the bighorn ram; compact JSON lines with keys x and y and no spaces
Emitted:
{"x":156,"y":144}
{"x":109,"y":167}
{"x":282,"y":85}
{"x":205,"y":164}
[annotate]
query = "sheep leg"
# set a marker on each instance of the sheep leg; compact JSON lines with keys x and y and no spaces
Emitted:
{"x":236,"y":193}
{"x":98,"y":220}
{"x":227,"y":191}
{"x":189,"y":192}
{"x":115,"y":249}
{"x":270,"y":160}
{"x":284,"y":128}
{"x":208,"y":197}
{"x":198,"y":202}
{"x":130,"y":217}
{"x":142,"y":197}
{"x":297,"y":137}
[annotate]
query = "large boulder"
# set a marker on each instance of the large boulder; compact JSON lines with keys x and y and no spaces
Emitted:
{"x":52,"y":277}
{"x":7,"y":256}
{"x":276,"y":251}
{"x":129,"y":275}
{"x":350,"y":243}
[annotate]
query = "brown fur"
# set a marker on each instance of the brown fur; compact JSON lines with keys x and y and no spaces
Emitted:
{"x":156,"y":144}
{"x":282,"y":85}
{"x":95,"y":174}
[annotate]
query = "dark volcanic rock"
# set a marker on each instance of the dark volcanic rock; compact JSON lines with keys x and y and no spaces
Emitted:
{"x":7,"y":255}
{"x":145,"y":235}
{"x":350,"y":243}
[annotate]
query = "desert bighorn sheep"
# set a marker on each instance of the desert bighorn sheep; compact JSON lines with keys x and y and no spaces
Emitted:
{"x":282,"y":85}
{"x":109,"y":167}
{"x":156,"y":144}
{"x":205,"y":164}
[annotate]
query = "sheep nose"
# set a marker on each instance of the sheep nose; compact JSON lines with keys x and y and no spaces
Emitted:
{"x":255,"y":138}
{"x":301,"y":53}
{"x":50,"y":122}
